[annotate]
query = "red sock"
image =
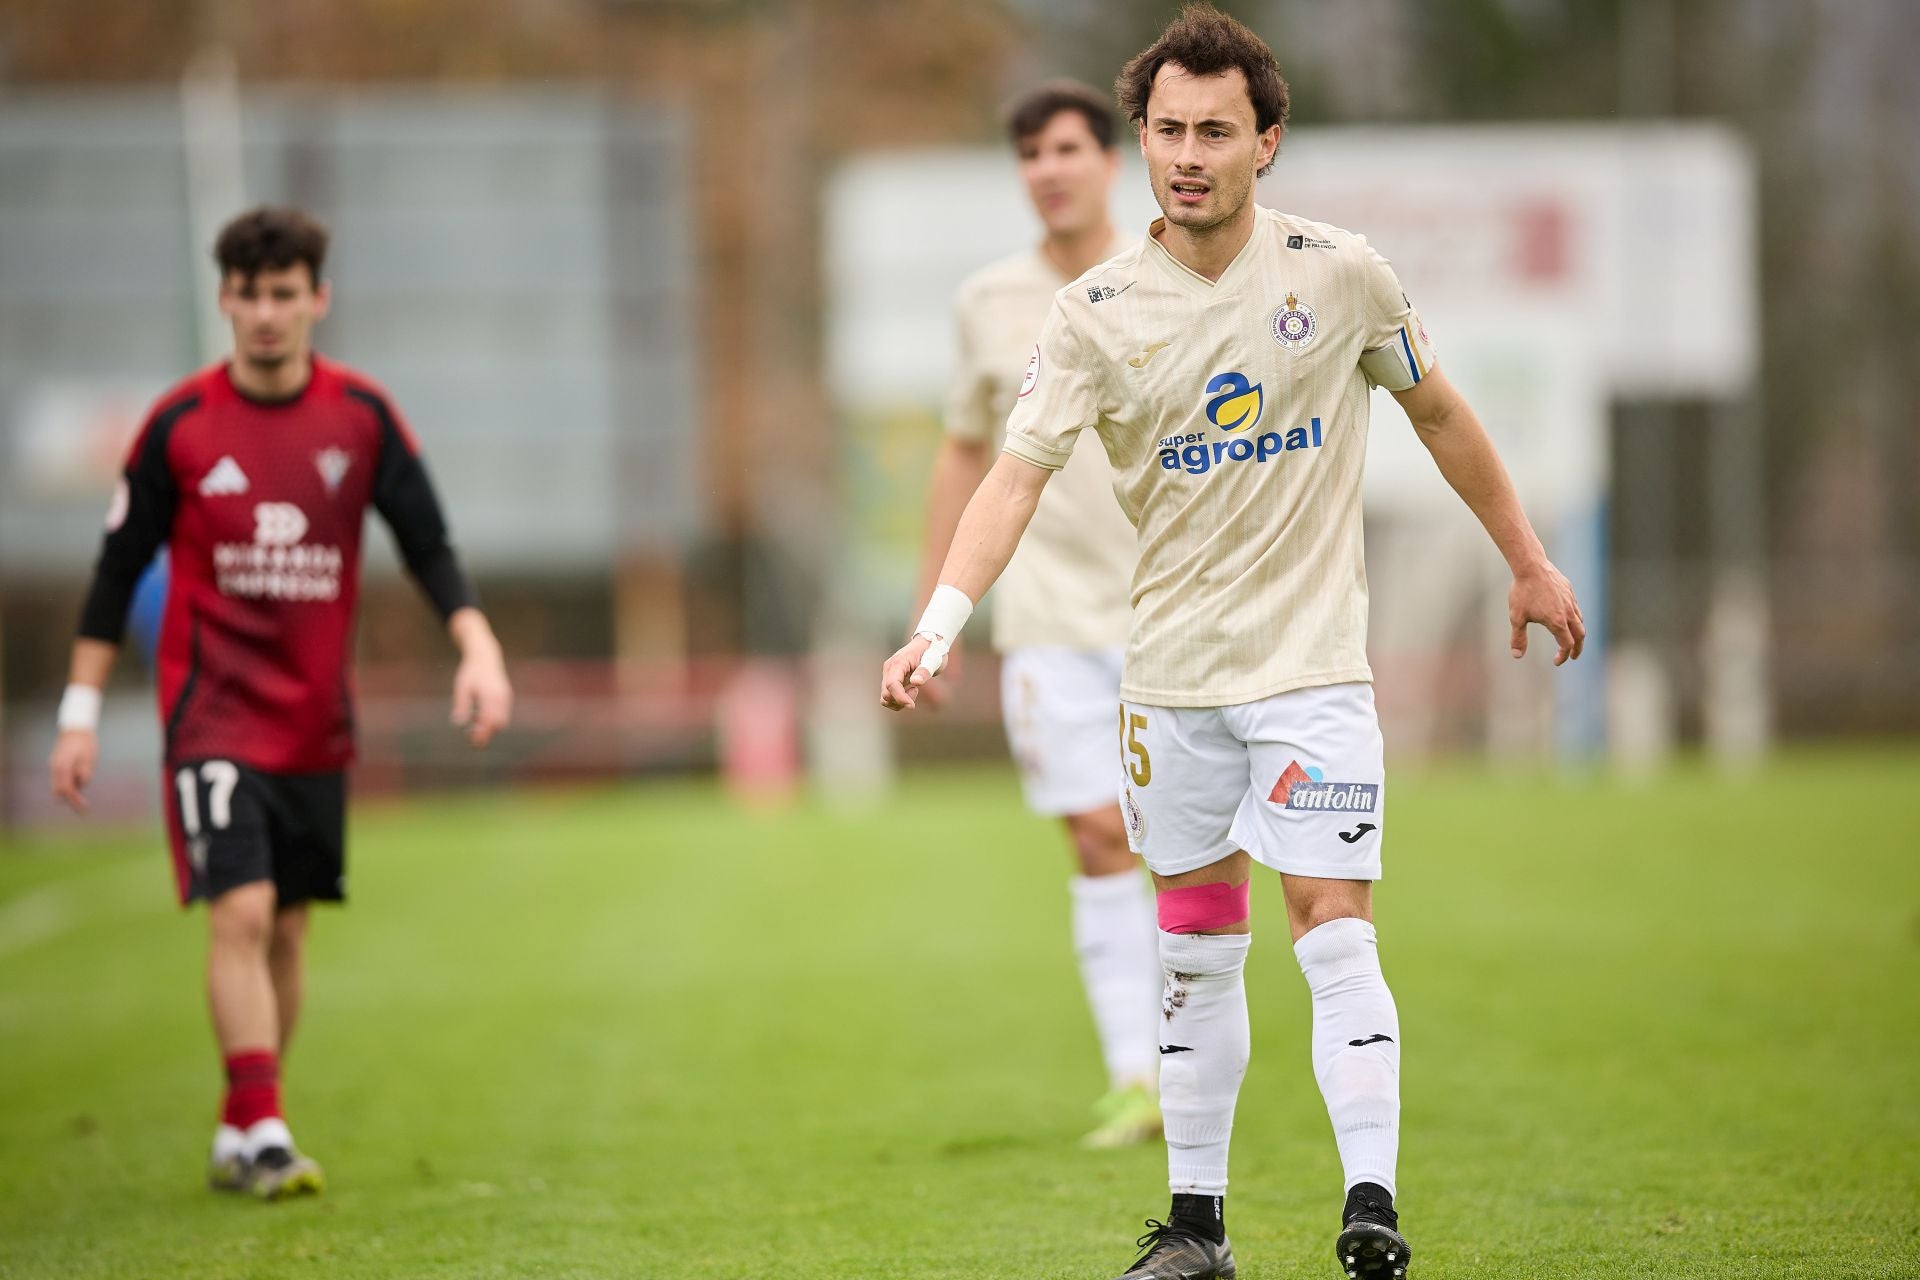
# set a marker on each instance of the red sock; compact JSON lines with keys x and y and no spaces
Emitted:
{"x":253,"y":1088}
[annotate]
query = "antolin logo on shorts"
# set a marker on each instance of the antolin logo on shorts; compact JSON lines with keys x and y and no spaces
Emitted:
{"x":1194,"y":454}
{"x":1307,"y":788}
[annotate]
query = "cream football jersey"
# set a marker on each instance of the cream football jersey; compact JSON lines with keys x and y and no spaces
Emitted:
{"x":1234,"y":414}
{"x":1067,"y":585}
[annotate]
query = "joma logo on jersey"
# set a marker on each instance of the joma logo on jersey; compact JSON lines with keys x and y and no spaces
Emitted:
{"x":1307,"y":788}
{"x":1233,"y":403}
{"x":1196,"y":456}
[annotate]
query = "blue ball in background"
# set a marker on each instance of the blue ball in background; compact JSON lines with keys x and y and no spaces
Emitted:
{"x":149,"y":606}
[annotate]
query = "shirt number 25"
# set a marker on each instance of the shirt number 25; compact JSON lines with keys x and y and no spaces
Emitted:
{"x":1132,"y":725}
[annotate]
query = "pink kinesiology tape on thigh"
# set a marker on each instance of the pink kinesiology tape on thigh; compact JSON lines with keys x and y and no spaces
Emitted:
{"x":1200,"y":907}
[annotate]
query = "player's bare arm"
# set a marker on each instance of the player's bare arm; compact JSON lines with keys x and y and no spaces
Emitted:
{"x":957,"y":471}
{"x":983,"y":543}
{"x":1453,"y":434}
{"x":76,"y":751}
{"x":482,"y":695}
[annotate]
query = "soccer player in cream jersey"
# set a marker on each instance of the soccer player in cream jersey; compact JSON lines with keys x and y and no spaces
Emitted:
{"x":1060,"y":615}
{"x":1227,"y":374}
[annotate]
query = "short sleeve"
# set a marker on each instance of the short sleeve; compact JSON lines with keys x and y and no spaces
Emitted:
{"x":1059,"y":396}
{"x":970,"y":412}
{"x":1396,"y":351}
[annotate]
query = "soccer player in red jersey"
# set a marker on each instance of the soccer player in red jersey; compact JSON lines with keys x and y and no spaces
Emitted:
{"x":257,"y":473}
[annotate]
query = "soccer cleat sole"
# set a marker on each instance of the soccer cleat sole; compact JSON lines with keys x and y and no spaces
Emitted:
{"x":1228,"y":1272}
{"x":1369,"y":1251}
{"x":1226,"y":1269}
{"x":301,"y":1180}
{"x":227,"y":1175}
{"x":1110,"y":1137}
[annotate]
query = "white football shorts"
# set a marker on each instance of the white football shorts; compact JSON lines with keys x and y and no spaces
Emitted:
{"x":1296,"y":780}
{"x":1059,"y":707}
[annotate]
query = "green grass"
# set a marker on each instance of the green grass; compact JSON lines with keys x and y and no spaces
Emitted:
{"x":1668,"y":1031}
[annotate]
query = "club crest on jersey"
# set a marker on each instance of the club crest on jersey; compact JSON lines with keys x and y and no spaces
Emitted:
{"x":1308,"y":789}
{"x":1293,"y":325}
{"x":332,"y":463}
{"x":1233,"y":403}
{"x":1033,"y":374}
{"x":121,"y":507}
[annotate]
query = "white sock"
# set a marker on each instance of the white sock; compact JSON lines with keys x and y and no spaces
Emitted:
{"x":1204,"y":1023}
{"x":1114,"y":937}
{"x":271,"y":1132}
{"x":229,"y":1143}
{"x":1356,"y":1046}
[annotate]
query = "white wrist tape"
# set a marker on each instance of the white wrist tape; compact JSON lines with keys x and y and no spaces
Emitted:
{"x":80,"y":708}
{"x":947,"y":612}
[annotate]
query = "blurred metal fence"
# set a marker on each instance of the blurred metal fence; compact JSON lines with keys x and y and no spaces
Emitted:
{"x":516,"y":267}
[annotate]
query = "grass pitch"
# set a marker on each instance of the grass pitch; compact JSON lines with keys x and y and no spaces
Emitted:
{"x":1660,"y":1031}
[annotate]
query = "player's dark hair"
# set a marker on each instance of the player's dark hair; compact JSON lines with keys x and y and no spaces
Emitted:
{"x":1203,"y":41}
{"x":271,"y":238}
{"x":1033,"y":110}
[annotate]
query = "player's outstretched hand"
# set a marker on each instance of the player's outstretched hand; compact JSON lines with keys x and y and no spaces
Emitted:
{"x":75,"y":753}
{"x":1546,"y":597}
{"x":482,"y":697}
{"x":903,"y":677}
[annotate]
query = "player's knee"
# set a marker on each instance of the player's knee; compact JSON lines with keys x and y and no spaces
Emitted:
{"x":1100,"y":843}
{"x":1203,"y":908}
{"x":1311,"y":903}
{"x":243,"y":917}
{"x":289,"y":933}
{"x":1312,"y":915}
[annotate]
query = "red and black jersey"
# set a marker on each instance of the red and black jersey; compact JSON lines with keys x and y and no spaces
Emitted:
{"x":262,"y":505}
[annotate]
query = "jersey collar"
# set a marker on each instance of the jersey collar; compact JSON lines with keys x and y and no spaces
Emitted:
{"x":1192,"y":280}
{"x":277,"y":402}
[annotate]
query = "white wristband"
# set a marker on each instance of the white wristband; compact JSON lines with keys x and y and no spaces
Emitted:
{"x":947,"y":611}
{"x":80,"y":708}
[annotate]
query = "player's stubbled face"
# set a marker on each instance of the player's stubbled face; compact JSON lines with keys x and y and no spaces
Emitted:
{"x":272,"y":313}
{"x":1201,"y":147}
{"x":1067,"y":173}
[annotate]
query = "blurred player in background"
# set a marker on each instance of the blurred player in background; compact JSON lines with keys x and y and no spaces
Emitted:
{"x":1226,"y":365}
{"x":1060,"y":616}
{"x":256,"y":474}
{"x":145,"y":611}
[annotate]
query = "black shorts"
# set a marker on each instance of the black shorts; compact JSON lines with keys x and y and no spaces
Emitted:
{"x":230,"y":825}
